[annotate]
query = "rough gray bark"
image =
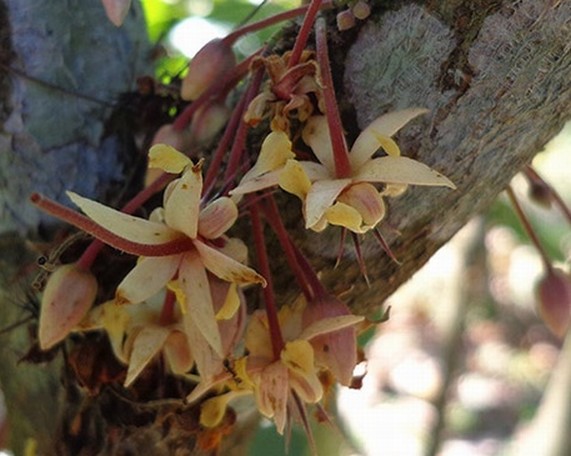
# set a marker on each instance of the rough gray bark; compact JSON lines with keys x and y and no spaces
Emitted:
{"x":495,"y":76}
{"x":51,"y":140}
{"x":493,"y":73}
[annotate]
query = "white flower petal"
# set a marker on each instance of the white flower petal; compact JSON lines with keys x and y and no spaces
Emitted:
{"x":401,"y":170}
{"x":316,"y":135}
{"x":321,"y":196}
{"x":208,"y":362}
{"x":147,"y":278}
{"x":272,"y":394}
{"x":194,"y":283}
{"x":367,"y":143}
{"x":227,"y":268}
{"x":148,"y":342}
{"x":123,"y":225}
{"x":182,"y":205}
{"x":315,"y":171}
{"x":255,"y":184}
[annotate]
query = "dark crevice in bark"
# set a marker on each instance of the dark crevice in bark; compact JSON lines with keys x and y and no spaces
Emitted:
{"x":6,"y":56}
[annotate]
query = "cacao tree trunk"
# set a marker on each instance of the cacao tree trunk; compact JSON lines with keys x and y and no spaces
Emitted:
{"x":494,"y":75}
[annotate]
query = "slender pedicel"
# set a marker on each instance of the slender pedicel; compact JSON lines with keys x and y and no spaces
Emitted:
{"x":78,"y":220}
{"x":339,"y":145}
{"x":268,"y":291}
{"x":529,"y":229}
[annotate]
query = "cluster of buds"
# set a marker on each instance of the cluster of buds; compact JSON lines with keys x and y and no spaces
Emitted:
{"x":356,"y":10}
{"x":183,"y":301}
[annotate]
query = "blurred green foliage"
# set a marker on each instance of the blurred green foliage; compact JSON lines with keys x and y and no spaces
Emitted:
{"x":163,"y":15}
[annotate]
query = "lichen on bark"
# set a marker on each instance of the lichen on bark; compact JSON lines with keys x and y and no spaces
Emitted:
{"x":52,"y":139}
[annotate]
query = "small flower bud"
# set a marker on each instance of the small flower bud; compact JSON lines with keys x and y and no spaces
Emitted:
{"x":337,"y":351}
{"x":361,"y":10}
{"x":212,"y":62}
{"x":540,"y":193}
{"x":345,"y":20}
{"x":179,"y":139}
{"x":554,"y":301}
{"x":207,"y":122}
{"x":69,"y":294}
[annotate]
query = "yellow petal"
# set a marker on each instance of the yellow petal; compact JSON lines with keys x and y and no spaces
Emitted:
{"x":111,"y":317}
{"x":148,"y":342}
{"x":401,"y":170}
{"x":257,"y":339}
{"x":206,"y":385}
{"x":291,"y":318}
{"x":213,"y":410}
{"x":321,"y":196}
{"x":394,"y":190}
{"x":168,"y":159}
{"x":342,"y":214}
{"x":115,"y":321}
{"x":366,"y":199}
{"x":182,"y":202}
{"x":385,"y":126}
{"x":231,"y":304}
{"x":227,"y":268}
{"x":125,"y":226}
{"x":294,"y":180}
{"x":275,"y":151}
{"x":176,"y":288}
{"x":388,"y":144}
{"x":298,"y":357}
{"x":240,"y":368}
{"x":217,"y":218}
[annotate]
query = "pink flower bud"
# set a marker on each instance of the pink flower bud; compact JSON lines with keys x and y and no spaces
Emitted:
{"x":179,"y":139}
{"x":207,"y":122}
{"x":540,"y":193}
{"x":361,"y":10}
{"x":336,"y":351}
{"x":554,"y":301}
{"x":211,"y":63}
{"x":69,"y":294}
{"x":345,"y":20}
